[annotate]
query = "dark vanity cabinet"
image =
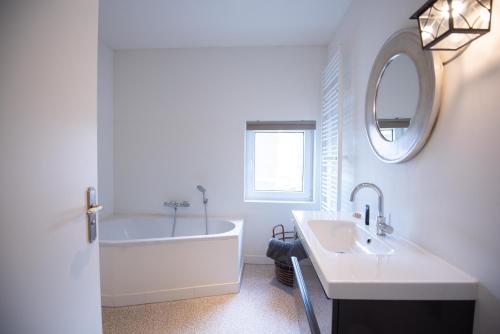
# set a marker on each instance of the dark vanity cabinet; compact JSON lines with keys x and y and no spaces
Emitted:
{"x":402,"y":316}
{"x":345,"y":316}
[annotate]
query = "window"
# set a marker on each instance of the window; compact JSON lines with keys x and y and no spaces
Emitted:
{"x":388,"y":134}
{"x":279,"y":161}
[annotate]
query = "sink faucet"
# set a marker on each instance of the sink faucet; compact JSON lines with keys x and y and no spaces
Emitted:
{"x":382,"y":227}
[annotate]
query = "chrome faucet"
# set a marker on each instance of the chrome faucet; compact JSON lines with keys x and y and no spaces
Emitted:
{"x":176,"y":205}
{"x":382,"y":226}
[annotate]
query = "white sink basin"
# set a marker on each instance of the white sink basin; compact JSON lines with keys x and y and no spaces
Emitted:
{"x":386,"y":268}
{"x":342,"y":236}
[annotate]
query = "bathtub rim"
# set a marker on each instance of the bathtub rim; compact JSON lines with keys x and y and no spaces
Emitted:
{"x":235,"y":232}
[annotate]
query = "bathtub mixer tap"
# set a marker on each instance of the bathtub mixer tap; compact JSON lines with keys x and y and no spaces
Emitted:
{"x":176,"y":205}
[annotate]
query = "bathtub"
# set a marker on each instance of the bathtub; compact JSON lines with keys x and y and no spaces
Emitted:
{"x":141,"y":262}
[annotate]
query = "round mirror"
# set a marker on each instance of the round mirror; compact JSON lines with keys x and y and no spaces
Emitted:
{"x":402,"y":99}
{"x":397,"y":97}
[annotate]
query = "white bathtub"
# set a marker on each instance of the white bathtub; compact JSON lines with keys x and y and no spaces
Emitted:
{"x":142,"y":263}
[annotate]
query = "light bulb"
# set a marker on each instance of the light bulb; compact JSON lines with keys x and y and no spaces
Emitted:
{"x":485,"y":14}
{"x":427,"y":30}
{"x":457,"y":8}
{"x":445,"y":10}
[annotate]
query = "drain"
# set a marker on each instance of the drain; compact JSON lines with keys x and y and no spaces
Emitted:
{"x":368,"y":241}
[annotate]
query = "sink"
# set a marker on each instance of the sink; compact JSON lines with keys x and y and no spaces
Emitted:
{"x":343,"y":236}
{"x":386,"y":268}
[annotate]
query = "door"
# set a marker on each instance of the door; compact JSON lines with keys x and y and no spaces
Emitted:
{"x":49,"y":272}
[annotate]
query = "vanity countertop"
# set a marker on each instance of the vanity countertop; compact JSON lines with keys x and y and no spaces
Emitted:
{"x":409,"y":273}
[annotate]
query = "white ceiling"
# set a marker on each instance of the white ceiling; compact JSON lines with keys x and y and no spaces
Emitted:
{"x":134,"y":24}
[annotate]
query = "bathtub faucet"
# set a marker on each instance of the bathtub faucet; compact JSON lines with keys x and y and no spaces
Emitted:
{"x":205,"y":201}
{"x":176,"y":205}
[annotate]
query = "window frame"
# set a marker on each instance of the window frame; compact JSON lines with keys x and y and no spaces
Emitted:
{"x":305,"y":196}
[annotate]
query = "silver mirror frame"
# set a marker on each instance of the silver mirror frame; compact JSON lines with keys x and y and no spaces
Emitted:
{"x":430,"y":72}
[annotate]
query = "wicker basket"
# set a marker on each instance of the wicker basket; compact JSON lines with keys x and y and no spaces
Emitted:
{"x":284,"y":272}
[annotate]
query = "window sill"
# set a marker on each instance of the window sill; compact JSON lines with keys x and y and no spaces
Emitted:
{"x":272,"y":201}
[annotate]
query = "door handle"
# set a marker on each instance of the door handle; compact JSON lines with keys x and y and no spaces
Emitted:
{"x":92,"y":209}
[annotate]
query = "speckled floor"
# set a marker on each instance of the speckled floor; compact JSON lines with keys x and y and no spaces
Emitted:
{"x":262,"y":306}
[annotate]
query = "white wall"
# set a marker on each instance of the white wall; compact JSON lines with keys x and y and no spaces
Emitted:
{"x":180,"y":121}
{"x":447,"y":197}
{"x":105,"y":129}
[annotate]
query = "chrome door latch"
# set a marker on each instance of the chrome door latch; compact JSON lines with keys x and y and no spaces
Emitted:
{"x":92,"y":209}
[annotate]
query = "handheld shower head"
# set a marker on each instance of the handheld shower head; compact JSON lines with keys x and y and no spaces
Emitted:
{"x":202,"y":190}
{"x":205,"y":201}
